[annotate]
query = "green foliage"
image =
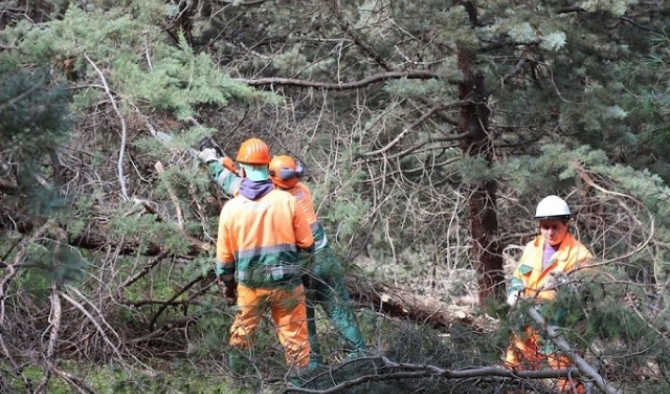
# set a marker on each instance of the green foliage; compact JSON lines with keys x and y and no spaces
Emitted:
{"x":34,"y":112}
{"x":113,"y":379}
{"x":34,"y":122}
{"x":161,"y":76}
{"x":571,"y":94}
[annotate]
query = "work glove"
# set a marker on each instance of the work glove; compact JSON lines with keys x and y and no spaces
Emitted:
{"x":208,"y":155}
{"x":513,"y":298}
{"x":229,"y":291}
{"x":231,"y":294}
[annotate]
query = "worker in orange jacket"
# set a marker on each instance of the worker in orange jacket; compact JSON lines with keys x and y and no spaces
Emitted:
{"x":327,"y":282}
{"x":261,"y":233}
{"x":555,"y":252}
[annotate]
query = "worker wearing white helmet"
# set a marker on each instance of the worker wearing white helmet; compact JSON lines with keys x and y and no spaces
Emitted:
{"x":554,"y":251}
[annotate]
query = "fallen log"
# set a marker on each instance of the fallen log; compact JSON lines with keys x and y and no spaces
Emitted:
{"x":393,"y":301}
{"x":400,"y":303}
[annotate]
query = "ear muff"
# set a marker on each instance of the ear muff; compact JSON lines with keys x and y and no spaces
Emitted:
{"x":299,"y":169}
{"x":286,"y":174}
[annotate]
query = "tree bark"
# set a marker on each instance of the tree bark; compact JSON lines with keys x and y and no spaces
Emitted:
{"x":474,"y":119}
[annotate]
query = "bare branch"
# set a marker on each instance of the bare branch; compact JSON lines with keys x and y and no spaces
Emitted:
{"x":74,"y":381}
{"x":95,"y":323}
{"x":8,"y":274}
{"x":142,"y":272}
{"x":639,"y":26}
{"x":422,"y":371}
{"x":414,"y":125}
{"x":240,"y":2}
{"x":376,"y":78}
{"x":124,"y":129}
{"x":55,"y":322}
{"x":174,"y":297}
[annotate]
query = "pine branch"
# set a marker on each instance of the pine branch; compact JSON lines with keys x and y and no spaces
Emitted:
{"x":564,"y":347}
{"x":372,"y":53}
{"x":349,"y":30}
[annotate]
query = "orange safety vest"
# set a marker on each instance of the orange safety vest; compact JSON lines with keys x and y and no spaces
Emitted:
{"x":530,"y":278}
{"x":259,"y":240}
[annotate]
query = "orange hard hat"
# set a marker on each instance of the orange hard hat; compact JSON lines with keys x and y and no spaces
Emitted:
{"x":253,"y":151}
{"x":284,"y":171}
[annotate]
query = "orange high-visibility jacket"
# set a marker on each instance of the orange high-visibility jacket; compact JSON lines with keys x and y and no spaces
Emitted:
{"x":230,"y":184}
{"x":259,"y":240}
{"x":529,"y":277}
{"x":303,"y":196}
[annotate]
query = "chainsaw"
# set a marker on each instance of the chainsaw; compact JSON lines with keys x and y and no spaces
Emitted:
{"x":207,"y":142}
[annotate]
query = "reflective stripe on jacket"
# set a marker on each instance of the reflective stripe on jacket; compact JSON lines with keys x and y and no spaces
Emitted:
{"x":529,"y":277}
{"x":228,"y":181}
{"x":259,"y":240}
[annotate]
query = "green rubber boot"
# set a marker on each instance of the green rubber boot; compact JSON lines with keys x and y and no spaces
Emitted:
{"x":299,"y":376}
{"x":295,"y":381}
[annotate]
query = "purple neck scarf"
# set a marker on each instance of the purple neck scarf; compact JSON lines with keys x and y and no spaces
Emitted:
{"x":549,"y":251}
{"x":255,"y":190}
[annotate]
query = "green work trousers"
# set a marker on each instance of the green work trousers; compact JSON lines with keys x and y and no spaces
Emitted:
{"x":327,"y":290}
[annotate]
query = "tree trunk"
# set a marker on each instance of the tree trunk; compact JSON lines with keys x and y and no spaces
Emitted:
{"x":474,"y":119}
{"x":400,"y":303}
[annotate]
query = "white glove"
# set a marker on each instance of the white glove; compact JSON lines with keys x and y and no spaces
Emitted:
{"x":512,"y":299}
{"x":555,"y":280}
{"x":207,"y":155}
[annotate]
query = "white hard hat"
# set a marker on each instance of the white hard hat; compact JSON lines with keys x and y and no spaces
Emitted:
{"x":552,"y":207}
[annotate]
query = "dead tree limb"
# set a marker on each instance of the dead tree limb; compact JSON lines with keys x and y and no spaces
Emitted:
{"x":92,"y":240}
{"x":54,"y":322}
{"x":401,"y":303}
{"x":176,"y":295}
{"x":74,"y":381}
{"x":376,"y":78}
{"x":422,"y":371}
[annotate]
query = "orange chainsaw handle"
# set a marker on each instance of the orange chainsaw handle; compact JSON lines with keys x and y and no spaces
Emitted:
{"x":229,"y":164}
